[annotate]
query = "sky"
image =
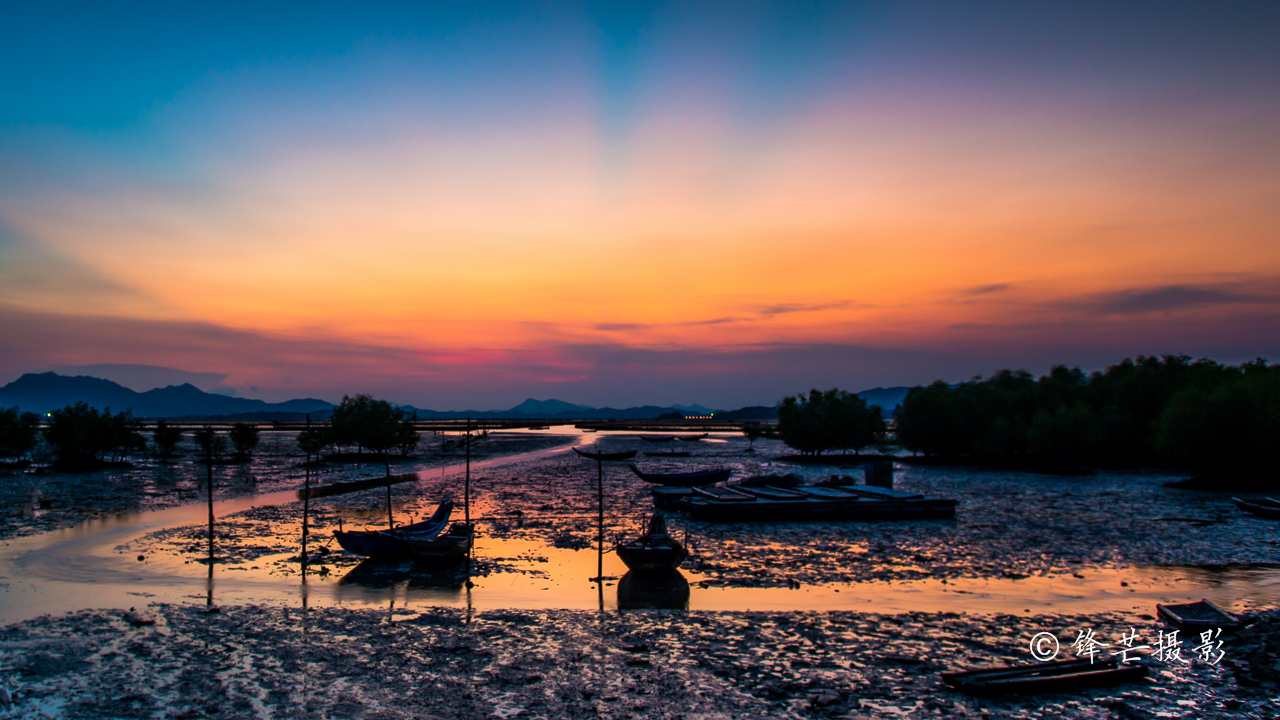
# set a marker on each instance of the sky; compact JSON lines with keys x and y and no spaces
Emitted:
{"x":629,"y":203}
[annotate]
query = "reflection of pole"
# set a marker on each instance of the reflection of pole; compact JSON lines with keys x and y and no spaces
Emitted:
{"x":209,"y":465}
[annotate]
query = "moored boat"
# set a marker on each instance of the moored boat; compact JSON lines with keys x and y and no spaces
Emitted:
{"x":669,"y":453}
{"x":394,"y":543}
{"x":778,"y":504}
{"x":1054,"y":676}
{"x":1197,"y":616}
{"x":606,"y":457}
{"x":685,"y":479}
{"x":450,"y":546}
{"x":1264,"y":507}
{"x":653,"y":552}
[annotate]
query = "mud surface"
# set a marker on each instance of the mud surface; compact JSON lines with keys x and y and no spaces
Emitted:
{"x":182,"y":662}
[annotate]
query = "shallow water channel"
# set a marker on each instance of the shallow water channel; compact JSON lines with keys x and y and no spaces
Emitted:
{"x":93,"y":565}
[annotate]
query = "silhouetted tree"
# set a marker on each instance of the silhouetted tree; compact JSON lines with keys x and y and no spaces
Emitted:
{"x":753,"y":432}
{"x":212,"y":445}
{"x":165,"y":437}
{"x":374,"y":425}
{"x":314,"y":440}
{"x":18,"y":432}
{"x":81,"y":435}
{"x":245,"y":439}
{"x":831,"y":420}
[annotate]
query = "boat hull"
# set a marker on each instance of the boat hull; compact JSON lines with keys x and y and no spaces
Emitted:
{"x":815,"y":509}
{"x":1257,"y":509}
{"x":652,"y":560}
{"x":691,"y":479}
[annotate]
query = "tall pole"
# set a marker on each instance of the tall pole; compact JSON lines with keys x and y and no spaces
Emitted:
{"x":466,"y":487}
{"x":599,"y":519}
{"x":209,"y":583}
{"x":306,"y":506}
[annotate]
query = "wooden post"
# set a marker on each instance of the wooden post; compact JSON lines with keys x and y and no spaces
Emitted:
{"x":306,"y":508}
{"x":466,"y":487}
{"x":599,"y":520}
{"x":209,"y":483}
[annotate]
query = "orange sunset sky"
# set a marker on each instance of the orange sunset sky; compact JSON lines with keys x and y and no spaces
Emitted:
{"x":667,"y":205}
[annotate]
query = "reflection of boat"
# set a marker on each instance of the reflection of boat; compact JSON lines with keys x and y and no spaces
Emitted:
{"x":450,"y":546}
{"x":1197,"y":616}
{"x":383,"y":574}
{"x":657,"y":438}
{"x":669,"y":453}
{"x":666,"y":591}
{"x":1057,"y":676}
{"x":394,"y":543}
{"x":1266,"y":507}
{"x":686,"y":479}
{"x":627,"y":455}
{"x":653,"y":552}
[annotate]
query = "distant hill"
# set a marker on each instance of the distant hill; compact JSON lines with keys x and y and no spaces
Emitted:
{"x":44,"y":392}
{"x":886,"y":398}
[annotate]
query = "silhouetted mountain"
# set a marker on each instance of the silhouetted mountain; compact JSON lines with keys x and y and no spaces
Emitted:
{"x":886,"y":398}
{"x":543,"y":408}
{"x":753,"y":412}
{"x":43,"y":392}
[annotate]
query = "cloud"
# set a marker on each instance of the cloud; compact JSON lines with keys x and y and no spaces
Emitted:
{"x":986,"y":289}
{"x":788,"y":308}
{"x":1167,"y":298}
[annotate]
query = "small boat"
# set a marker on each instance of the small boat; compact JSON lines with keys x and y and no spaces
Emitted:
{"x":1055,"y":676}
{"x":1264,"y":508}
{"x":687,"y":479}
{"x":450,"y":546}
{"x":1197,"y":616}
{"x":606,"y":457}
{"x":653,"y":552}
{"x":657,"y":438}
{"x":724,"y":494}
{"x":669,"y":453}
{"x":394,"y":543}
{"x":772,"y":493}
{"x":692,"y":438}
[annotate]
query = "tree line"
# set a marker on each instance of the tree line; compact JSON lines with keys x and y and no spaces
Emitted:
{"x":1199,"y":416}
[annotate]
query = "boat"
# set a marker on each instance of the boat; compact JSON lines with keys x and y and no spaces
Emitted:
{"x":1197,"y":616}
{"x":606,"y":457}
{"x":692,"y":438}
{"x":1054,"y":676}
{"x":657,"y":438}
{"x":394,"y":543}
{"x":653,"y":552}
{"x":764,"y":504}
{"x":685,"y":479}
{"x":1264,"y":508}
{"x":450,"y":546}
{"x":669,"y":453}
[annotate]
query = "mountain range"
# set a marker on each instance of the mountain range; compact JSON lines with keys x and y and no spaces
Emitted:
{"x":44,"y":392}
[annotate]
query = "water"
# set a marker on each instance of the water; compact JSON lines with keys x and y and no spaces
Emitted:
{"x":93,"y":564}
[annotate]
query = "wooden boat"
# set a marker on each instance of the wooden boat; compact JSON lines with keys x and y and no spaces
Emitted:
{"x":1264,"y":508}
{"x":692,"y":438}
{"x":670,"y":497}
{"x":451,"y":546}
{"x":606,"y":457}
{"x":1056,"y":676}
{"x":724,"y":494}
{"x":342,"y":488}
{"x":1197,"y":616}
{"x":394,"y":543}
{"x":670,"y":453}
{"x":657,"y":438}
{"x":774,"y":504}
{"x":687,"y":479}
{"x":653,"y":552}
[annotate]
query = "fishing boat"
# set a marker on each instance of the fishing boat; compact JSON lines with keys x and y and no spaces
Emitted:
{"x":1264,"y":508}
{"x":685,"y":479}
{"x":653,"y":552}
{"x":1197,"y":616}
{"x":450,"y":546}
{"x":765,"y":504}
{"x":1055,"y":676}
{"x":692,"y":438}
{"x":657,"y":438}
{"x":669,"y":453}
{"x":606,"y":457}
{"x":394,"y":543}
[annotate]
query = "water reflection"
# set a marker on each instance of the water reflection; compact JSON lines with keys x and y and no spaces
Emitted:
{"x":376,"y":574}
{"x":661,"y":591}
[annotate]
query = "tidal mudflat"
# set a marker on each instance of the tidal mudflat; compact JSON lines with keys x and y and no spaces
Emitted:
{"x":789,"y":619}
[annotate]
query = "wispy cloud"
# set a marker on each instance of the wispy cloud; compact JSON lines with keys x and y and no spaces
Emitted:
{"x":788,"y":308}
{"x":979,"y":290}
{"x":1168,"y":298}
